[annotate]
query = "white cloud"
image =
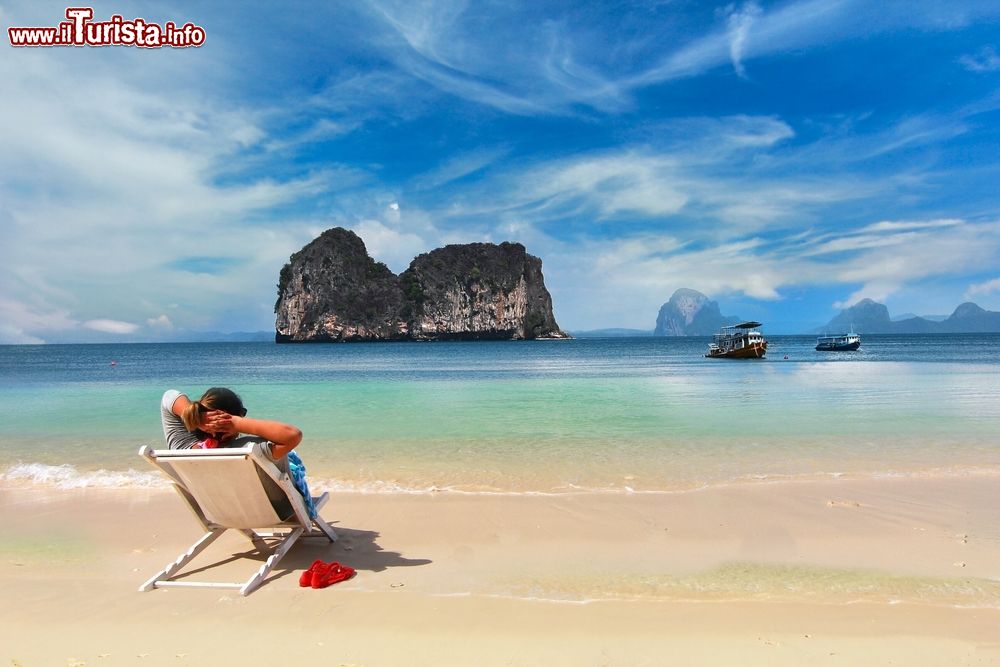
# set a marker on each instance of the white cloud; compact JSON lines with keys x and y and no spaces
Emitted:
{"x":640,"y":272}
{"x":985,"y":60}
{"x":322,"y":130}
{"x":355,"y":97}
{"x":884,"y":265}
{"x":739,"y":22}
{"x":515,"y":63}
{"x":150,"y":175}
{"x":902,"y":225}
{"x":856,"y":242}
{"x":458,"y":167}
{"x":393,"y":247}
{"x":752,"y":131}
{"x":881,"y":235}
{"x":11,"y":335}
{"x":111,"y":326}
{"x":874,"y":291}
{"x":796,"y":25}
{"x":522,"y":65}
{"x":978,"y":289}
{"x":636,"y":275}
{"x":161,"y":322}
{"x":625,"y":183}
{"x":24,"y":324}
{"x":34,"y":317}
{"x":697,"y":179}
{"x":392,"y":213}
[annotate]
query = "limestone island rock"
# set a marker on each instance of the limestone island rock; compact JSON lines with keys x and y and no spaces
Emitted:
{"x":333,"y":291}
{"x":690,"y":313}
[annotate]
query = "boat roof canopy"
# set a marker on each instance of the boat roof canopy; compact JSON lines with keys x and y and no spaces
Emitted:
{"x":746,"y":325}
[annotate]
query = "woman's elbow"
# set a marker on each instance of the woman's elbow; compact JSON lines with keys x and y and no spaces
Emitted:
{"x":294,"y":437}
{"x":290,"y":439}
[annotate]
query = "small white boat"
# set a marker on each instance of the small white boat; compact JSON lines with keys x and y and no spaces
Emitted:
{"x":847,"y":342}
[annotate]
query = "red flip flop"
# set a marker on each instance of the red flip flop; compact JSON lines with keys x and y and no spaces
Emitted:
{"x":306,"y":579}
{"x":331,"y":574}
{"x":319,"y":573}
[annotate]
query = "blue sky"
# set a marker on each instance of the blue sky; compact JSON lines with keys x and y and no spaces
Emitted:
{"x":785,"y":158}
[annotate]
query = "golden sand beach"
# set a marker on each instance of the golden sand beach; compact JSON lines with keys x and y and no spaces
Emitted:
{"x":832,"y":572}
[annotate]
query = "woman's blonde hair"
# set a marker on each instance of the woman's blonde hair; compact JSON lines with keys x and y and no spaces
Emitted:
{"x":216,"y":398}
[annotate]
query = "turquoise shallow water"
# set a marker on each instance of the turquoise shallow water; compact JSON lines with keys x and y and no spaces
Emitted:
{"x":609,"y":414}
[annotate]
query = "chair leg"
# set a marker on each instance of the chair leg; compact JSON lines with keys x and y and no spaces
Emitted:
{"x":319,"y":502}
{"x":257,"y":540}
{"x":325,"y":527}
{"x":265,"y":569}
{"x":183,"y":559}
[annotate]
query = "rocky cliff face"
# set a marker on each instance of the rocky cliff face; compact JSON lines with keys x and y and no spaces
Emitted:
{"x":690,"y":313}
{"x":479,"y":290}
{"x":331,"y":290}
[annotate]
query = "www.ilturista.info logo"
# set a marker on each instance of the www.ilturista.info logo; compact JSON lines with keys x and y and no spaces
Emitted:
{"x":80,"y":30}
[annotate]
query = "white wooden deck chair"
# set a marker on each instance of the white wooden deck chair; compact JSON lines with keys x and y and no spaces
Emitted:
{"x":235,"y":489}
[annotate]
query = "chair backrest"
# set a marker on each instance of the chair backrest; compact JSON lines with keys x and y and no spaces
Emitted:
{"x":234,"y":488}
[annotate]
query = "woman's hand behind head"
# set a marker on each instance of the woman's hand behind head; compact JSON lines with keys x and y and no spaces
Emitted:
{"x":220,"y":423}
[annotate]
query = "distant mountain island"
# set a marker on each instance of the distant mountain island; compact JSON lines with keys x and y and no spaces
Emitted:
{"x":690,"y":313}
{"x":867,"y":316}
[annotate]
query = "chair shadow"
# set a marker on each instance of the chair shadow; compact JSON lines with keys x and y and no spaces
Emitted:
{"x":354,"y":547}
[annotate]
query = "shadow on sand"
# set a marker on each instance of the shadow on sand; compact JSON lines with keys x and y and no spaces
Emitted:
{"x":354,"y":547}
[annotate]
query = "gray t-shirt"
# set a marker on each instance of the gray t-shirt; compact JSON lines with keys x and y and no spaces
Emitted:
{"x":174,"y":431}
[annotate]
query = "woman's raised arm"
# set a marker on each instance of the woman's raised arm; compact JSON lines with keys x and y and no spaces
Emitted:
{"x":284,"y":436}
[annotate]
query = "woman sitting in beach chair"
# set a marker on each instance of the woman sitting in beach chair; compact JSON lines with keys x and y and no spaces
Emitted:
{"x":219,"y":419}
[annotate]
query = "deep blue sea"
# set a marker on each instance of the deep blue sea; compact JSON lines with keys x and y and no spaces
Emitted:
{"x":612,"y":414}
